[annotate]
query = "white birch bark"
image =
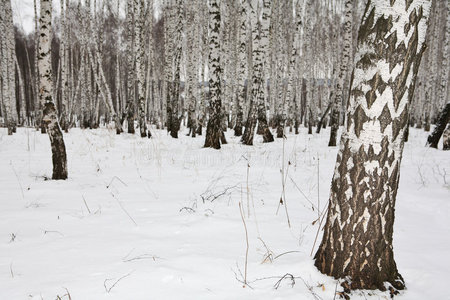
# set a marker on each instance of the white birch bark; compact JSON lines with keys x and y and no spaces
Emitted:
{"x":214,"y":131}
{"x":242,"y":66}
{"x":50,"y":117}
{"x":140,"y":66}
{"x":357,"y":241}
{"x":345,"y":61}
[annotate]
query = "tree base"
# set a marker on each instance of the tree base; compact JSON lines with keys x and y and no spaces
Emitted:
{"x":364,"y":281}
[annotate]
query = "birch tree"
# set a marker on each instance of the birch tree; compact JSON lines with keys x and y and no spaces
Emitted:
{"x":174,"y":125}
{"x":345,"y":61}
{"x":130,"y":66}
{"x":63,"y":63}
{"x":257,"y":105}
{"x":192,"y":49}
{"x":8,"y":67}
{"x":140,"y":67}
{"x":242,"y":66}
{"x":214,"y":130}
{"x":50,"y":116}
{"x":357,"y":241}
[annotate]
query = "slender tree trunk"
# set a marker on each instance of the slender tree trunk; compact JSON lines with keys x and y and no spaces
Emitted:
{"x":50,"y":117}
{"x":214,"y":129}
{"x":131,"y":65}
{"x":140,"y":67}
{"x":191,"y":67}
{"x":242,"y":67}
{"x":257,"y":106}
{"x":345,"y":60}
{"x":175,"y":118}
{"x":357,"y":240}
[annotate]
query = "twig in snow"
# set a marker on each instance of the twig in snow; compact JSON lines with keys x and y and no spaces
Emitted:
{"x":52,"y":231}
{"x":318,"y":228}
{"x":287,"y":275}
{"x":124,"y":210}
{"x":335,"y":290}
{"x":86,"y":204}
{"x":242,"y":276}
{"x":269,"y":254}
{"x":67,"y":294}
{"x":246,"y":240}
{"x":188,"y":209}
{"x":115,"y":177}
{"x":11,"y":270}
{"x":211,"y":196}
{"x":248,"y":190}
{"x":18,"y":180}
{"x":143,"y":256}
{"x":301,"y":192}
{"x":294,"y":251}
{"x":318,"y":190}
{"x":311,"y":290}
{"x":283,"y":193}
{"x":114,"y":284}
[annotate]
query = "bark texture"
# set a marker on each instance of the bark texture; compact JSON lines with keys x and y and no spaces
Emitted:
{"x":357,"y":240}
{"x":242,"y":67}
{"x":257,"y":111}
{"x":446,"y":139}
{"x":345,"y":60}
{"x":214,"y":129}
{"x":443,"y":119}
{"x":50,"y":117}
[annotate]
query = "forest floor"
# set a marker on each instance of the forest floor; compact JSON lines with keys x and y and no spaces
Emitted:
{"x":160,"y":218}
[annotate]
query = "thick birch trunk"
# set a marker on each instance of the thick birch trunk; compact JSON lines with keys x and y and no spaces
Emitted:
{"x":357,"y":241}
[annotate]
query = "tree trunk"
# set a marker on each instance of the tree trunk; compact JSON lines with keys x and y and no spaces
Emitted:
{"x":357,"y":240}
{"x":140,"y":67}
{"x":50,"y":118}
{"x":131,"y":65}
{"x":345,"y":60}
{"x":257,"y":111}
{"x":214,"y":129}
{"x":242,"y":68}
{"x":446,"y":139}
{"x":322,"y":119}
{"x":443,"y":119}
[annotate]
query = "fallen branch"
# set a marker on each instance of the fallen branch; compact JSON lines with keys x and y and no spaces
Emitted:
{"x":114,"y":284}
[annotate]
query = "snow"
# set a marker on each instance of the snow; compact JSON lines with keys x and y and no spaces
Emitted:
{"x":137,"y":217}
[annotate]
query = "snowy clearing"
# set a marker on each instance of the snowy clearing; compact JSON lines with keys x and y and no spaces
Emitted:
{"x":159,"y":218}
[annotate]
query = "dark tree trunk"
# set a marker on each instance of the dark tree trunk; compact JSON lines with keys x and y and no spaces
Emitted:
{"x":443,"y":119}
{"x":357,"y":240}
{"x":130,"y":117}
{"x":322,"y":119}
{"x":279,"y":126}
{"x":238,"y":126}
{"x":263,"y":126}
{"x":310,"y":121}
{"x":446,"y":139}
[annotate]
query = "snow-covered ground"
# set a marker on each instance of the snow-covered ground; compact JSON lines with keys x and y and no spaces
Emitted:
{"x":159,"y":218}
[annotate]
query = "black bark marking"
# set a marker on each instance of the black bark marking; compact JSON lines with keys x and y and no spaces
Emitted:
{"x":359,"y":118}
{"x":385,"y":118}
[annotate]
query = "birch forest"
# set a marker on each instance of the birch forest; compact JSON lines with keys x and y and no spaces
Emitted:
{"x":196,"y":141}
